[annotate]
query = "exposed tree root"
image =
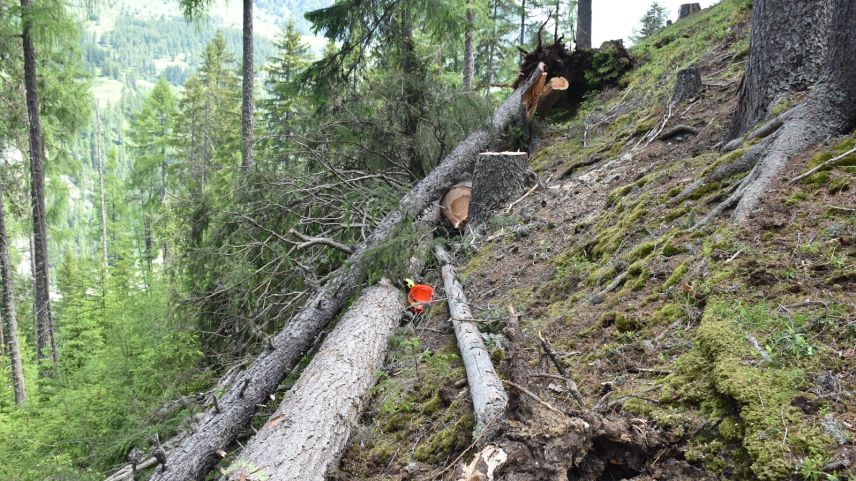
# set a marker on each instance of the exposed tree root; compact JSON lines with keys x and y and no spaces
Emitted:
{"x":803,"y":126}
{"x":585,"y":70}
{"x":739,"y":165}
{"x":541,"y":440}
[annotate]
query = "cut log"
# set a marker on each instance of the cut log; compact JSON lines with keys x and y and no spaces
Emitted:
{"x":553,"y":91}
{"x":688,"y":9}
{"x":498,"y":177}
{"x":677,"y":131}
{"x":488,"y":395}
{"x":456,"y":204}
{"x":308,"y":433}
{"x":197,"y":454}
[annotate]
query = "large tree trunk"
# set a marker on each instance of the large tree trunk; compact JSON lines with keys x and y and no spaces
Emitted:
{"x":99,"y":159}
{"x":219,"y":428}
{"x":498,"y":176}
{"x":308,"y":433}
{"x":490,"y":50}
{"x":584,"y":24}
{"x":488,"y":395}
{"x":787,"y":53}
{"x":413,"y":93}
{"x":829,"y":109}
{"x":8,"y":308}
{"x":469,"y":63}
{"x":44,"y":320}
{"x":247,"y":93}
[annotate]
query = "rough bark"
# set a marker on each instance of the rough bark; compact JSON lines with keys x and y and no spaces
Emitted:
{"x":584,"y":24}
{"x":469,"y":63}
{"x":787,"y":53}
{"x":522,"y":39}
{"x":99,"y":160}
{"x":413,"y":94}
{"x":196,"y":455}
{"x":44,"y":320}
{"x":497,"y":178}
{"x":688,"y":9}
{"x":688,"y":85}
{"x":829,"y":109}
{"x":247,"y":89}
{"x":8,"y":308}
{"x":308,"y":433}
{"x":488,"y":395}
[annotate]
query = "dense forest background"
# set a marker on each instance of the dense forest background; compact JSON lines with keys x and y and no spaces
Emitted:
{"x":168,"y":264}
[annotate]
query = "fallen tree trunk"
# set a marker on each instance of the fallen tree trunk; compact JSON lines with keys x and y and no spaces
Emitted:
{"x":489,"y":397}
{"x":553,"y":91}
{"x":308,"y":433}
{"x":197,"y":454}
{"x":497,"y":177}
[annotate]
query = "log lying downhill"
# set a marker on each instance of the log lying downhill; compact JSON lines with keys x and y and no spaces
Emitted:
{"x":197,"y":454}
{"x":308,"y":433}
{"x":497,"y":178}
{"x":489,"y":397}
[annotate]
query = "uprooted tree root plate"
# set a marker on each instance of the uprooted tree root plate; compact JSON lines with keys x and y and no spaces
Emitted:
{"x":585,"y":70}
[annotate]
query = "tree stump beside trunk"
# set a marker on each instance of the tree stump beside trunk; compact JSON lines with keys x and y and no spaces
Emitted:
{"x":497,"y":178}
{"x":688,"y":9}
{"x":689,"y":84}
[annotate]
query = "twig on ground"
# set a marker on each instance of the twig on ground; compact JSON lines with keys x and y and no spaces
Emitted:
{"x":511,"y":206}
{"x":822,"y":165}
{"x":533,"y":396}
{"x":572,"y":386}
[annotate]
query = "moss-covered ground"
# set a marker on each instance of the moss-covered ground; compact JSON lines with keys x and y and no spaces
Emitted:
{"x":736,"y":339}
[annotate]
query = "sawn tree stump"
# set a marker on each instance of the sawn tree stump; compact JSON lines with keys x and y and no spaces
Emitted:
{"x":689,"y":84}
{"x":688,"y":9}
{"x":498,"y":177}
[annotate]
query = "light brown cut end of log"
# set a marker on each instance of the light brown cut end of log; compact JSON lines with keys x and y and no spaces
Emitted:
{"x":559,"y":83}
{"x":456,"y":204}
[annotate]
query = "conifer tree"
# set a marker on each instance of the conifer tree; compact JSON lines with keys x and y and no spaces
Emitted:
{"x":284,"y":99}
{"x":151,"y":137}
{"x":41,"y":283}
{"x":650,"y":23}
{"x":8,"y":306}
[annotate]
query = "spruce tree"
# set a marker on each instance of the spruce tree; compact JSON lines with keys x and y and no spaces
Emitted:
{"x":650,"y":23}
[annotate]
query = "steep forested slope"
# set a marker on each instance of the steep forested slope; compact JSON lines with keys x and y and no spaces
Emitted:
{"x":734,"y":342}
{"x":636,"y":335}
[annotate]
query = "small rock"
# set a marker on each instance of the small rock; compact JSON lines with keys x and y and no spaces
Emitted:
{"x":648,"y":346}
{"x":411,"y":467}
{"x":826,"y":383}
{"x":556,"y":388}
{"x":833,"y":429}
